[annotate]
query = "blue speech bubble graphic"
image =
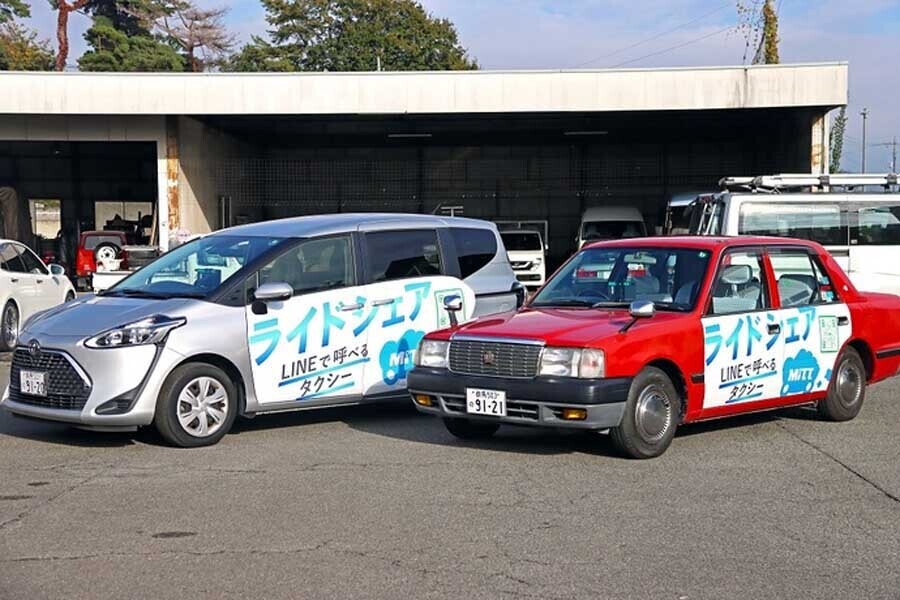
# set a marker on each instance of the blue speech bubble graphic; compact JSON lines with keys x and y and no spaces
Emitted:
{"x":799,"y":373}
{"x":396,"y":357}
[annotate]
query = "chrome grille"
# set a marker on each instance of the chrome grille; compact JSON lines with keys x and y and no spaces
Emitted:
{"x":494,"y":359}
{"x":66,"y":390}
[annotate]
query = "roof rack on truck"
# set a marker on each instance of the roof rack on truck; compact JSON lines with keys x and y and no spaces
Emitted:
{"x":776,"y":183}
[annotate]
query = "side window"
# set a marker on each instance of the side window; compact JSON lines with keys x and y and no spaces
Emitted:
{"x":33,"y":264}
{"x":878,"y":226}
{"x":800,"y":281}
{"x":9,"y":259}
{"x":820,"y":222}
{"x":313,"y":265}
{"x":740,"y":284}
{"x":474,"y":247}
{"x":402,"y":254}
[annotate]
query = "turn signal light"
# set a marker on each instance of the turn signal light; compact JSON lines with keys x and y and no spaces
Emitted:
{"x":423,"y":400}
{"x":574,"y":414}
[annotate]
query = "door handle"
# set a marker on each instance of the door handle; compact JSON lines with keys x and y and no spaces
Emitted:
{"x":843,"y":320}
{"x":39,"y":281}
{"x":384,"y":302}
{"x":773,"y":328}
{"x":348,"y":307}
{"x":14,"y":280}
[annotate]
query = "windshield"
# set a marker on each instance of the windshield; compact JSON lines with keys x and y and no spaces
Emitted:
{"x":603,"y":277}
{"x":611,"y":230}
{"x":519,"y":241}
{"x":706,"y":217}
{"x":195,"y":269}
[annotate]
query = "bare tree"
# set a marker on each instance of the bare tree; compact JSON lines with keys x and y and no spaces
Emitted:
{"x":200,"y":33}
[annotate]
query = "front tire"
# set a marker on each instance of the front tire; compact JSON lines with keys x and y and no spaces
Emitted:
{"x":196,"y":406}
{"x":651,"y":416}
{"x":847,"y":389}
{"x":9,"y":327}
{"x":466,"y":429}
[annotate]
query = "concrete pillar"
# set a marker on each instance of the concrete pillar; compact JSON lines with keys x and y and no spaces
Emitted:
{"x":172,"y":166}
{"x":818,"y":157}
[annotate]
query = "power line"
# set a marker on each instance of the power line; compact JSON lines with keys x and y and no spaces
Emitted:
{"x":655,"y":37}
{"x":682,"y":45}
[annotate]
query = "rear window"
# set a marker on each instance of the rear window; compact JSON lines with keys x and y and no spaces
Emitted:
{"x":519,"y":241}
{"x":92,"y":241}
{"x":612,"y":230}
{"x":474,"y":247}
{"x":823,"y":223}
{"x":402,"y":254}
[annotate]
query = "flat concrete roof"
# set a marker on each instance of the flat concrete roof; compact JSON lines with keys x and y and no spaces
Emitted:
{"x":443,"y":92}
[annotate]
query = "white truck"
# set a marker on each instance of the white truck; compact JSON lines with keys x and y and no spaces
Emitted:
{"x":610,"y":223}
{"x":860,"y":228}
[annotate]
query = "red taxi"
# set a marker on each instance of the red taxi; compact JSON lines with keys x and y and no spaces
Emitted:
{"x":639,"y":336}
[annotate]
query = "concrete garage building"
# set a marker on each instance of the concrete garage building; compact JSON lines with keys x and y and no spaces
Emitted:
{"x":201,"y":151}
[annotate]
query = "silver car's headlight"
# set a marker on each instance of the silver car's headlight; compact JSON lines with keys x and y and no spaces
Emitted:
{"x":151,"y":330}
{"x":433,"y":353}
{"x":586,"y":363}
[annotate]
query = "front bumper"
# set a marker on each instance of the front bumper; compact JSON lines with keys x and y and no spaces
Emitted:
{"x":129,"y":376}
{"x":526,"y":399}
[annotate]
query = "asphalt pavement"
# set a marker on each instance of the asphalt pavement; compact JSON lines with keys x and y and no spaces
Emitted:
{"x":380,"y":502}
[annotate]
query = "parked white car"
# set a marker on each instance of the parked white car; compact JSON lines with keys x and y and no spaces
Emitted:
{"x":610,"y":223}
{"x":27,"y":286}
{"x":527,"y":255}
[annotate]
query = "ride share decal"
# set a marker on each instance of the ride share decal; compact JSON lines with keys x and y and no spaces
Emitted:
{"x":769,"y":354}
{"x":346,"y":342}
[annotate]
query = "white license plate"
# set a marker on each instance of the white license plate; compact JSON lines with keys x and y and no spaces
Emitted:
{"x":33,"y":383}
{"x":486,"y":402}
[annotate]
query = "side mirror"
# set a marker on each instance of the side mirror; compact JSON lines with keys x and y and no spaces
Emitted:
{"x":270,"y":292}
{"x":639,"y":309}
{"x":273,"y":292}
{"x":453,"y":304}
{"x":57,"y":270}
{"x":642,"y":309}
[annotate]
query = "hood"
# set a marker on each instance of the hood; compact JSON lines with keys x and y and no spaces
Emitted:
{"x":94,"y":314}
{"x":525,"y":254}
{"x":560,"y":326}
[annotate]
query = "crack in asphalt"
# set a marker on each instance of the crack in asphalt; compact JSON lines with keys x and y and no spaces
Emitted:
{"x":22,"y":515}
{"x":841,"y":463}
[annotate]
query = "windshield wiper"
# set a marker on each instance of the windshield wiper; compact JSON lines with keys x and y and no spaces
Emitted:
{"x":138,"y":293}
{"x":608,"y":304}
{"x":564,"y":302}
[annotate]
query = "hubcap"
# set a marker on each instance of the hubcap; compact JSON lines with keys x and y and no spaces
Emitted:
{"x":849,"y":383}
{"x":202,"y":406}
{"x":11,"y":326}
{"x":653,"y":414}
{"x":106,"y":253}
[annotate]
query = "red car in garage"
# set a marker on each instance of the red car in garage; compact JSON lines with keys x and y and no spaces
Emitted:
{"x":640,"y":336}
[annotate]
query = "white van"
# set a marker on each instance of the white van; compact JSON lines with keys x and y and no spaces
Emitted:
{"x":861,"y":230}
{"x":610,"y":223}
{"x":527,"y":255}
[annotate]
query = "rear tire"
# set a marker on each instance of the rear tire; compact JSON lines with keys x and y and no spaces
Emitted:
{"x":466,"y":429}
{"x":69,"y":297}
{"x":9,"y":327}
{"x":651,"y":416}
{"x":196,"y":406}
{"x":847,"y":388}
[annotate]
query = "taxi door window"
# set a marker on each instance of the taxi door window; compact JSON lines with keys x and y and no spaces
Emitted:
{"x":740,"y":284}
{"x":313,"y":265}
{"x":800,"y":281}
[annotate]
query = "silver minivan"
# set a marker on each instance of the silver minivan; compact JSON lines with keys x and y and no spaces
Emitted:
{"x":282,"y":315}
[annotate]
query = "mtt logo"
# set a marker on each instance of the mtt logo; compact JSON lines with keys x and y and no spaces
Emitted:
{"x":799,"y":373}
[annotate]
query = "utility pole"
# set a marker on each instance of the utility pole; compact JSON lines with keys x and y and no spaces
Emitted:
{"x":893,"y":145}
{"x":865,"y":116}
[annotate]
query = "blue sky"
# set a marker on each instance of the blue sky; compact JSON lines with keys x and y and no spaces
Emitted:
{"x":547,"y":34}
